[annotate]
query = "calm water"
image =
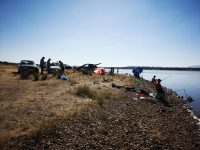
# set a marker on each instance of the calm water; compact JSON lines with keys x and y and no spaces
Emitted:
{"x":177,"y":81}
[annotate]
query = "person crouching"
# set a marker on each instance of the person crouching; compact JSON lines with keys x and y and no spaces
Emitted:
{"x":160,"y":95}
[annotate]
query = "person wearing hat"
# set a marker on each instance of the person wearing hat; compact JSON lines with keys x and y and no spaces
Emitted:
{"x":42,"y":64}
{"x":160,"y":95}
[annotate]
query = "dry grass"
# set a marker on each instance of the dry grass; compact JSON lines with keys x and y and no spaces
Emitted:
{"x":44,"y":76}
{"x":85,"y":91}
{"x":107,"y":79}
{"x":8,"y":66}
{"x":3,"y":70}
{"x":28,"y":107}
{"x":98,"y":95}
{"x":73,"y":81}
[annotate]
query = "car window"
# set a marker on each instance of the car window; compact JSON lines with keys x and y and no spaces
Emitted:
{"x":27,"y":62}
{"x":54,"y":64}
{"x":85,"y":66}
{"x":92,"y":66}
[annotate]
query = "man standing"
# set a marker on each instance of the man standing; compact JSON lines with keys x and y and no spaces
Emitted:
{"x":61,"y":66}
{"x":42,"y":64}
{"x":48,"y":65}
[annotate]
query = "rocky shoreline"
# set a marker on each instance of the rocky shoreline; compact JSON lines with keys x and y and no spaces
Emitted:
{"x":120,"y":124}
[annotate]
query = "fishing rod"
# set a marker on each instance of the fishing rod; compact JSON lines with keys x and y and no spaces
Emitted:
{"x":188,"y":97}
{"x":165,"y":78}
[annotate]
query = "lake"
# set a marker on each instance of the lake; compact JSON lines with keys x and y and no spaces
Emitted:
{"x":184,"y":83}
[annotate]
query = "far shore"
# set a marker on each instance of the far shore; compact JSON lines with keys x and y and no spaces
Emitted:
{"x":159,"y":68}
{"x":131,"y":67}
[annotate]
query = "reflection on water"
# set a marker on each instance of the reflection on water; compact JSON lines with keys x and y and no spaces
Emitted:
{"x":177,"y":81}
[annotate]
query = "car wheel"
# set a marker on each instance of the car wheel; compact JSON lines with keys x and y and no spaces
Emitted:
{"x":34,"y":77}
{"x":21,"y":75}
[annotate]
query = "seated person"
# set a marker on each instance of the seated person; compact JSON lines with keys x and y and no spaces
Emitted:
{"x":160,"y":92}
{"x":153,"y":80}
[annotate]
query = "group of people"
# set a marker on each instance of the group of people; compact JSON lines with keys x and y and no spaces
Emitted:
{"x":48,"y":64}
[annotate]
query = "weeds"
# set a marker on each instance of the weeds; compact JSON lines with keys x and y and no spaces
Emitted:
{"x":87,"y":72}
{"x":99,"y":97}
{"x":85,"y":91}
{"x":107,"y":79}
{"x":47,"y":128}
{"x":100,"y":100}
{"x":73,"y":82}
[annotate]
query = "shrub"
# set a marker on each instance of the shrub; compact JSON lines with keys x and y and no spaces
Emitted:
{"x":85,"y":91}
{"x":72,"y":82}
{"x":107,"y":79}
{"x":100,"y":100}
{"x":87,"y":72}
{"x":99,"y":97}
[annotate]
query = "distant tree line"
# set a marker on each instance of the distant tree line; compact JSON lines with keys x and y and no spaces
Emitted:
{"x":7,"y":63}
{"x":131,"y":67}
{"x":158,"y":68}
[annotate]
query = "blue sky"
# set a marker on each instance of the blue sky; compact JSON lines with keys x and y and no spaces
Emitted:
{"x":113,"y":32}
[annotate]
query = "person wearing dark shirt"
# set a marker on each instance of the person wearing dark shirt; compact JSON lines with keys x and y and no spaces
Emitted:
{"x":159,"y":88}
{"x":48,"y":65}
{"x":61,"y":66}
{"x":42,"y":64}
{"x":160,"y":95}
{"x":153,"y":80}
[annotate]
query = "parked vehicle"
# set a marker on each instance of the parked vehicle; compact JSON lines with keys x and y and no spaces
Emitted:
{"x":93,"y":68}
{"x":88,"y":67}
{"x":26,"y":68}
{"x":67,"y":66}
{"x":55,"y":67}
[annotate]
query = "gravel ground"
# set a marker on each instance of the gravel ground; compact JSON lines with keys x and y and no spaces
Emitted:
{"x":123,"y":123}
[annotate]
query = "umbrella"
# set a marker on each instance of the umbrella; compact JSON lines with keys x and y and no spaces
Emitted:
{"x":136,"y":71}
{"x":99,"y":71}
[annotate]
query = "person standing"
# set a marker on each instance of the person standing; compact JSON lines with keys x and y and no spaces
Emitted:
{"x":48,"y":65}
{"x":61,"y":66}
{"x":42,"y":64}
